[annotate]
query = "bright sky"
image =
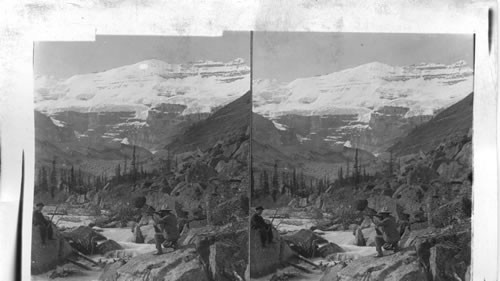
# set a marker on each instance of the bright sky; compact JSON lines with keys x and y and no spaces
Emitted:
{"x":287,"y":56}
{"x":64,"y":59}
{"x":281,"y":55}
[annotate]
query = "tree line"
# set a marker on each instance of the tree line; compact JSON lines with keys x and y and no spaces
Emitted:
{"x":297,"y":184}
{"x":73,"y":180}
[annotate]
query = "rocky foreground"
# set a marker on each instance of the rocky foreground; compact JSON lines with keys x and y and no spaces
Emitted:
{"x":203,"y":256}
{"x":431,"y":190}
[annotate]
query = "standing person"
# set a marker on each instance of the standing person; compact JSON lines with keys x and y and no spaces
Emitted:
{"x":387,"y":226}
{"x":265,"y":229}
{"x":44,"y":225}
{"x":166,"y":230}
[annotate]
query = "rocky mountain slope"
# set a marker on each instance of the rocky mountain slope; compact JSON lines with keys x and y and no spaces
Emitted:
{"x":271,"y":145}
{"x":451,"y":122}
{"x":369,"y":105}
{"x":204,"y":180}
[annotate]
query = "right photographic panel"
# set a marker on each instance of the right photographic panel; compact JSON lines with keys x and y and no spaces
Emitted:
{"x":361,"y":156}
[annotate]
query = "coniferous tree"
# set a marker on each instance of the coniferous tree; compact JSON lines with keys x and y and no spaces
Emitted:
{"x":348,"y":171}
{"x":45,"y":184}
{"x":294,"y":182}
{"x":266,"y":183}
{"x":134,"y":166}
{"x":125,"y":168}
{"x":356,"y":168}
{"x":118,"y":172}
{"x":341,"y":175}
{"x":53,"y":179}
{"x":80,"y":177}
{"x":391,"y":172}
{"x":275,"y":181}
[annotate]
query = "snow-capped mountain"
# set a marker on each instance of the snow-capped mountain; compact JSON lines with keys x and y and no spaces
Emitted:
{"x":369,"y":105}
{"x":200,"y":86}
{"x":423,"y":88}
{"x":145,"y":103}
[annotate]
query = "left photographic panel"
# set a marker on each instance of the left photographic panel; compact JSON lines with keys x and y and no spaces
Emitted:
{"x":142,"y":158}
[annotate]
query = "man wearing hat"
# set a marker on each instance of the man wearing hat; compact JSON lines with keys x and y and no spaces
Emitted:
{"x":44,"y":225}
{"x":387,"y":231}
{"x":265,"y":229}
{"x":166,"y":230}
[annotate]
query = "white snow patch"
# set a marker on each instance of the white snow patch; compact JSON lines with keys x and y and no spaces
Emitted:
{"x":56,"y":122}
{"x":279,"y":126}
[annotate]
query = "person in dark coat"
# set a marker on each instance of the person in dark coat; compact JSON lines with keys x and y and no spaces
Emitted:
{"x":387,"y":226}
{"x":44,"y":225}
{"x":166,"y":230}
{"x":265,"y":229}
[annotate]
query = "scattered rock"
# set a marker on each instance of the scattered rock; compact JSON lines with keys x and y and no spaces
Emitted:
{"x":399,"y":266}
{"x":61,"y":272}
{"x":108,"y":246}
{"x":304,"y":242}
{"x":328,"y":249}
{"x":331,"y":272}
{"x":199,"y":172}
{"x":180,"y":265}
{"x":84,"y":239}
{"x":421,"y":174}
{"x":266,"y":260}
{"x":110,"y":271}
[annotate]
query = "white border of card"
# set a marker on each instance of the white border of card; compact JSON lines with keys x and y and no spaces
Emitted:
{"x":23,"y":22}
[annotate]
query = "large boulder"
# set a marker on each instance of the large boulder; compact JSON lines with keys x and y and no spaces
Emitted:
{"x":228,"y":168}
{"x":444,"y":264}
{"x":48,"y":256}
{"x":110,"y":270}
{"x":265,"y":260}
{"x":451,"y":170}
{"x":242,"y":152}
{"x":220,"y":268}
{"x":199,"y":172}
{"x":148,"y":233}
{"x":227,"y":211}
{"x":229,"y":149}
{"x":401,"y":266}
{"x":369,"y":235}
{"x":330,"y":273}
{"x":108,"y":246}
{"x":329,"y":249}
{"x":447,"y":214}
{"x":421,"y":174}
{"x":84,"y":239}
{"x":180,"y":265}
{"x":305,"y":242}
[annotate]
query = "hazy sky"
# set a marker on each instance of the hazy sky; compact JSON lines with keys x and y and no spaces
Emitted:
{"x":281,"y":55}
{"x":64,"y":59}
{"x":286,"y":56}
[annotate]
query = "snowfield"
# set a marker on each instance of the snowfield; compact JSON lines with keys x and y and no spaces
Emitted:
{"x":423,"y":88}
{"x":201,"y":86}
